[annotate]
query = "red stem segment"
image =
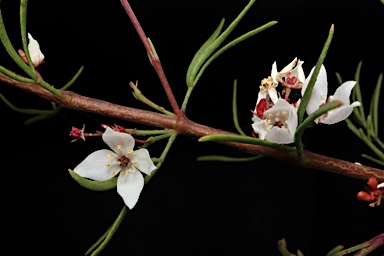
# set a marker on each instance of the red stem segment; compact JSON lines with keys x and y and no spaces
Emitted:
{"x":155,"y":60}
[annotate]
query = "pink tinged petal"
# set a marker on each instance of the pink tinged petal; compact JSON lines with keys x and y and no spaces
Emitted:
{"x":343,"y":92}
{"x":279,"y":136}
{"x":273,"y":95}
{"x":143,"y":161}
{"x":319,"y":92}
{"x":100,"y":165}
{"x":36,"y":55}
{"x":340,"y":113}
{"x":260,"y":127}
{"x":129,"y":187}
{"x":119,"y":142}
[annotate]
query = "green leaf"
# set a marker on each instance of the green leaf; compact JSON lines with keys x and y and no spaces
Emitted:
{"x":335,"y":250}
{"x":312,"y":81}
{"x":92,"y":184}
{"x":245,"y":140}
{"x":230,"y":45}
{"x":234,"y":109}
{"x":201,"y":55}
{"x":374,"y":108}
{"x":356,"y":93}
{"x":309,"y":121}
{"x":338,"y":77}
{"x":227,"y":158}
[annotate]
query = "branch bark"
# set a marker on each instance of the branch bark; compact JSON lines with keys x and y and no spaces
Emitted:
{"x":185,"y":126}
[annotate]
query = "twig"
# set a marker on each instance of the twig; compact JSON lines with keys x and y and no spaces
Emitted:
{"x":183,"y":125}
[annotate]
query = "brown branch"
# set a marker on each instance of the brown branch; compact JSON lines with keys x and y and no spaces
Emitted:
{"x":185,"y":126}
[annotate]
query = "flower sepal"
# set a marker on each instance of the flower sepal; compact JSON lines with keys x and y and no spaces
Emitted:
{"x":93,"y":184}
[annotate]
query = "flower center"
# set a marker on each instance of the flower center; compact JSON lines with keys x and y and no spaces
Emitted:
{"x":291,"y":80}
{"x":123,"y":161}
{"x":278,"y":119}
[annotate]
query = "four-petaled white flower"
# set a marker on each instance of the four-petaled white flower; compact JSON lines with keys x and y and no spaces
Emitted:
{"x":123,"y":160}
{"x":36,"y":55}
{"x":279,"y":125}
{"x":319,"y":97}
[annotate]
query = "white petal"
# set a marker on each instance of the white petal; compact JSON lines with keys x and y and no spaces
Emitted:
{"x":36,"y":55}
{"x":280,"y":105}
{"x":273,"y":95}
{"x":300,"y":71}
{"x":381,"y":185}
{"x":119,"y":142}
{"x":292,"y":121}
{"x":143,"y":161}
{"x":340,"y":113}
{"x":129,"y":187}
{"x":95,"y":166}
{"x":279,"y":136}
{"x":289,"y":67}
{"x":343,"y":92}
{"x":261,"y":95}
{"x":319,"y":92}
{"x":274,"y":72}
{"x":260,"y":127}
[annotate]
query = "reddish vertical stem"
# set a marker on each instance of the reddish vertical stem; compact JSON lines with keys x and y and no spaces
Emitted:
{"x":155,"y":61}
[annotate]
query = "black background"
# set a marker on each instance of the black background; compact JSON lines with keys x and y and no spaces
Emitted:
{"x":189,"y":207}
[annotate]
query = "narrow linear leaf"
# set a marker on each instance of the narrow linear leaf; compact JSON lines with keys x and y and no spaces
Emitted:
{"x":23,"y":29}
{"x":11,"y":50}
{"x":74,"y":78}
{"x":335,"y":250}
{"x":92,"y":184}
{"x":377,"y":161}
{"x":352,"y":127}
{"x":227,"y":158}
{"x":308,"y":92}
{"x":199,"y":58}
{"x":356,"y":93}
{"x":374,"y":108}
{"x":234,"y":109}
{"x":338,"y":77}
{"x":230,"y":45}
{"x":309,"y":121}
{"x":245,"y":140}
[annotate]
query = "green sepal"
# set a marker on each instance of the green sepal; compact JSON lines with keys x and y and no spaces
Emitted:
{"x":92,"y":184}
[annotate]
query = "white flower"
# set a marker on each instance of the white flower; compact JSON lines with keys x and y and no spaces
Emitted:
{"x":291,"y":77}
{"x":280,"y":123}
{"x":104,"y":164}
{"x":319,"y":97}
{"x":37,"y":56}
{"x":293,"y":74}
